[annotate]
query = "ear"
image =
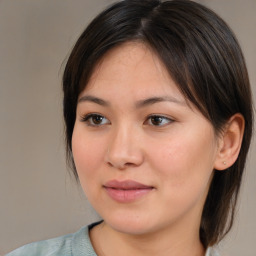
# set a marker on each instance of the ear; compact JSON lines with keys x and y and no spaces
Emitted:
{"x":230,"y":142}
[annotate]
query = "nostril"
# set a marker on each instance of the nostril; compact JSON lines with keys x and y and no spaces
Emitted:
{"x":120,"y":165}
{"x":129,"y":164}
{"x":108,"y":163}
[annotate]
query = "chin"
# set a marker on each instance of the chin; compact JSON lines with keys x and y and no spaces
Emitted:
{"x":131,"y":225}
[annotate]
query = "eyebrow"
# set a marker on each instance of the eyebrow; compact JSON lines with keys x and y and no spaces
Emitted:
{"x":94,"y":100}
{"x":153,"y":100}
{"x":138,"y":104}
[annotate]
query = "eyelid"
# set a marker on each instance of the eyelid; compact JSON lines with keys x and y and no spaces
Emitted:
{"x":87,"y":117}
{"x":166,"y":120}
{"x":169,"y":120}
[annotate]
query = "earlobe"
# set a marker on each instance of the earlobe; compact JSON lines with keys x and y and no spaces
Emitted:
{"x":230,"y":142}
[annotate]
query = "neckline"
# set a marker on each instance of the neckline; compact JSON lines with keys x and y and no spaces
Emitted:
{"x":81,"y":243}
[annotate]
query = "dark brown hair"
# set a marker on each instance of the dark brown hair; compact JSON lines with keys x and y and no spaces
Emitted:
{"x":203,"y":57}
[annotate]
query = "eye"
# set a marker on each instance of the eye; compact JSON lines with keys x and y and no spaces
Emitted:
{"x":157,"y":120}
{"x":95,"y":120}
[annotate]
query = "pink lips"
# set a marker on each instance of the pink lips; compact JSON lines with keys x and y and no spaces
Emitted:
{"x":126,"y":191}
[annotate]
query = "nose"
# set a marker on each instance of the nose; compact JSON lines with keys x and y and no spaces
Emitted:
{"x":125,"y":148}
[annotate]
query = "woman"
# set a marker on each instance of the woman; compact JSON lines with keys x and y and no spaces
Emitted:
{"x":158,"y":115}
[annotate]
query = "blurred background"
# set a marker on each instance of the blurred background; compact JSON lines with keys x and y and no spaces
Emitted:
{"x":38,"y":197}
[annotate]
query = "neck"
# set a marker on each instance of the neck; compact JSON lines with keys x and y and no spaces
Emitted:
{"x":107,"y":241}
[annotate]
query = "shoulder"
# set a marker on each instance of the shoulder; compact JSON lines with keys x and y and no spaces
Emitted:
{"x":69,"y":245}
{"x":56,"y":246}
{"x":212,"y":251}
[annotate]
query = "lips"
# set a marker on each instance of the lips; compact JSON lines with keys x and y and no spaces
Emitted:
{"x":126,"y":191}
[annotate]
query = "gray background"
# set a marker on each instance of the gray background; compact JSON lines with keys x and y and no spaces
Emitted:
{"x":38,"y":198}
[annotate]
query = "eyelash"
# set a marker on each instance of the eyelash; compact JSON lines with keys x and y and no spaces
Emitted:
{"x":88,"y":119}
{"x":167,"y":120}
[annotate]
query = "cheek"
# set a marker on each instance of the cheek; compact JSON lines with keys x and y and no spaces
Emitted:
{"x":183,"y":176}
{"x":185,"y":162}
{"x":88,"y":155}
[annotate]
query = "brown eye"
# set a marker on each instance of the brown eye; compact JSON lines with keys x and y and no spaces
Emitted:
{"x":156,"y":120}
{"x":95,"y":120}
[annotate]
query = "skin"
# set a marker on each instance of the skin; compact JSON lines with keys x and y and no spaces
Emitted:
{"x":174,"y":155}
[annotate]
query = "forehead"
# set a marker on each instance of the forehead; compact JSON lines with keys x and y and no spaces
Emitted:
{"x":132,"y":66}
{"x":127,"y":57}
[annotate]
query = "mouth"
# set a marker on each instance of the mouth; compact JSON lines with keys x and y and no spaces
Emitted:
{"x":126,"y":191}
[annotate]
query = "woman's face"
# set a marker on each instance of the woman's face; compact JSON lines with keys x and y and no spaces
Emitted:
{"x":144,"y":157}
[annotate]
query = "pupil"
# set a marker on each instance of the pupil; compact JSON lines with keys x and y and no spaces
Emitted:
{"x":156,"y":120}
{"x":97,"y":119}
